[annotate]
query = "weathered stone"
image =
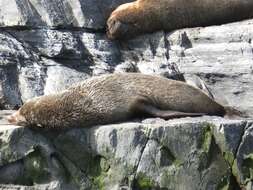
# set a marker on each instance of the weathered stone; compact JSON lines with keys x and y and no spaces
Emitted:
{"x":213,"y":53}
{"x":22,"y":75}
{"x":52,"y":43}
{"x":60,"y":77}
{"x":188,"y":153}
{"x":104,"y":54}
{"x":57,"y":14}
{"x":243,"y":165}
{"x":47,"y":46}
{"x":221,"y":56}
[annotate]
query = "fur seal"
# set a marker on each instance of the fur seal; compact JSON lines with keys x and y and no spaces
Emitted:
{"x":145,"y":16}
{"x":116,"y":97}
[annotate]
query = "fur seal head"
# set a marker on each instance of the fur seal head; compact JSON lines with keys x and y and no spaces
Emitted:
{"x":38,"y":111}
{"x":18,"y":118}
{"x":120,"y":25}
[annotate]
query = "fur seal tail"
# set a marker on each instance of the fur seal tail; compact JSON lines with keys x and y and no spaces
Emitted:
{"x":232,"y":113}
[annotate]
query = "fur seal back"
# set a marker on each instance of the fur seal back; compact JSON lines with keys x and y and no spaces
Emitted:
{"x":144,"y":16}
{"x":114,"y":98}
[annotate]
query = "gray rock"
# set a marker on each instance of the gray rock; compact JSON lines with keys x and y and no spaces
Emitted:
{"x":52,"y":43}
{"x":14,"y":60}
{"x":47,"y":46}
{"x":58,"y":13}
{"x":188,"y":153}
{"x":222,"y":56}
{"x":243,"y":162}
{"x":60,"y":77}
{"x":212,"y":53}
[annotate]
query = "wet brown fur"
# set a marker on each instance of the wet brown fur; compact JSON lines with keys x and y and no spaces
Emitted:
{"x":142,"y":16}
{"x":117,"y":97}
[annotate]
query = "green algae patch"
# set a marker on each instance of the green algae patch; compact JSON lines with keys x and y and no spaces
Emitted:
{"x":229,"y":157}
{"x":207,"y":138}
{"x":96,"y":172}
{"x":143,"y":182}
{"x":36,"y":168}
{"x":224,"y":183}
{"x":99,"y":182}
{"x":243,"y":174}
{"x":228,"y":183}
{"x":168,"y":177}
{"x":207,"y":147}
{"x":247,"y":167}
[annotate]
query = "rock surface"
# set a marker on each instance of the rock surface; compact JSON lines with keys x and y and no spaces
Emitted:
{"x":41,"y":60}
{"x":46,"y":46}
{"x":190,"y":153}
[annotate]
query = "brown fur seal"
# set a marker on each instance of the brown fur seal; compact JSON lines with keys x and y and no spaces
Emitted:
{"x":116,"y":97}
{"x":142,"y":16}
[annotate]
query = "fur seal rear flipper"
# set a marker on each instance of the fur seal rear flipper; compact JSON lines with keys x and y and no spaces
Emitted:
{"x":151,"y":110}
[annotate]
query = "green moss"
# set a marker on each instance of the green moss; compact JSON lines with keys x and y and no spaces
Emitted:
{"x":177,"y":163}
{"x":166,"y":178}
{"x":229,"y":157}
{"x":104,"y":165}
{"x":207,"y":147}
{"x":167,"y":158}
{"x":98,"y":182}
{"x":247,"y":167}
{"x":228,"y":183}
{"x":224,"y":183}
{"x":144,"y":183}
{"x":207,"y":138}
{"x":98,"y":171}
{"x":36,"y":167}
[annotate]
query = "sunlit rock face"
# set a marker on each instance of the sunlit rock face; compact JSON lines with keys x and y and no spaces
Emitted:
{"x":192,"y":153}
{"x":47,"y":46}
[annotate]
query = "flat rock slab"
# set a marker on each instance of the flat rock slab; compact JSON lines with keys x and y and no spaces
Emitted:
{"x":188,"y":153}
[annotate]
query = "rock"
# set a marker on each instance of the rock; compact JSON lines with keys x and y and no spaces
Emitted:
{"x":221,"y":56}
{"x":32,"y":58}
{"x":89,"y":14}
{"x":60,"y":77}
{"x":188,"y":153}
{"x":14,"y":58}
{"x":244,"y":159}
{"x":47,"y":46}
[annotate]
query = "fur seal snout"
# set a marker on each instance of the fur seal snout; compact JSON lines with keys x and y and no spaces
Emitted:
{"x":114,"y":98}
